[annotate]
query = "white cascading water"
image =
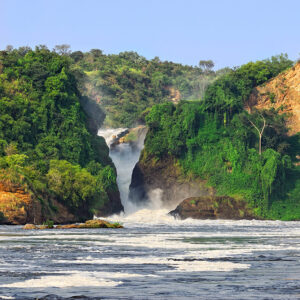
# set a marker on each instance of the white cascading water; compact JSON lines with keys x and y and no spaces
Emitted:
{"x":125,"y":157}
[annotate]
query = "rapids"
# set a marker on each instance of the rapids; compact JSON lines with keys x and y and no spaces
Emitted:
{"x":153,"y":258}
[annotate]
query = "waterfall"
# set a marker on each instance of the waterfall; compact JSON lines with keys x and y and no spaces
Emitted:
{"x":124,"y":155}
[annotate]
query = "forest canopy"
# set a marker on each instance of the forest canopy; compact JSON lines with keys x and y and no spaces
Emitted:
{"x":44,"y":139}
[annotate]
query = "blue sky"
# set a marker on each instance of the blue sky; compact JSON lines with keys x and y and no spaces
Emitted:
{"x":230,"y":32}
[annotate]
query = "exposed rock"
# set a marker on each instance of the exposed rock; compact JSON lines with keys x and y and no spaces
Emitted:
{"x":100,"y":224}
{"x":131,"y":136}
{"x":283,"y":93}
{"x":67,"y":226}
{"x":118,"y":139}
{"x":60,"y":215}
{"x":174,"y":94}
{"x":113,"y":206}
{"x":150,"y":174}
{"x":18,"y":207}
{"x":30,"y":227}
{"x":214,"y":207}
{"x":88,"y":224}
{"x":44,"y":227}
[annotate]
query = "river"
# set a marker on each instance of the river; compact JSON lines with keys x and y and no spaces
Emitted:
{"x":153,"y":257}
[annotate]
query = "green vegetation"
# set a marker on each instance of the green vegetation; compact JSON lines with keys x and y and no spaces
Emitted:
{"x":228,"y":94}
{"x":46,"y":144}
{"x":49,"y":224}
{"x":126,"y":84}
{"x":216,"y":140}
{"x":44,"y":140}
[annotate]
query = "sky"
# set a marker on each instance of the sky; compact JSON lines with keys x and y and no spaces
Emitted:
{"x":230,"y":32}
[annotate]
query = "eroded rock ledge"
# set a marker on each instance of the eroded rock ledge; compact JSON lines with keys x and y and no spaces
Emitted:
{"x":212,"y":207}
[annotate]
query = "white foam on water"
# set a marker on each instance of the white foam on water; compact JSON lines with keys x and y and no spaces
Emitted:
{"x":178,"y":262}
{"x":154,"y":214}
{"x":81,"y":279}
{"x":109,"y":134}
{"x":207,"y":266}
{"x":144,"y":216}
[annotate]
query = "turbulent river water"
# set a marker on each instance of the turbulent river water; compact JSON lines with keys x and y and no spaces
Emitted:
{"x":153,"y":257}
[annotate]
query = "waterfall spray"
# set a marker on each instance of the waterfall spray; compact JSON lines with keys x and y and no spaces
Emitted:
{"x":124,"y":155}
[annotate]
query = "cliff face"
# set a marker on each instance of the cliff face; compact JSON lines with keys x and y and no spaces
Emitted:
{"x":113,"y":206}
{"x":150,"y":174}
{"x":283,"y":93}
{"x":17,"y":206}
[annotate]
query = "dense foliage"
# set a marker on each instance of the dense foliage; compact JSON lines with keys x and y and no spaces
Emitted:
{"x":44,"y":139}
{"x":228,"y":93}
{"x":215,"y":140}
{"x":126,"y":84}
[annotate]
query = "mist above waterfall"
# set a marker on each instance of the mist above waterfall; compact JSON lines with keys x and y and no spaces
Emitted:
{"x":124,"y":156}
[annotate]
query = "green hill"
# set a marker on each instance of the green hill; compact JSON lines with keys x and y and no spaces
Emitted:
{"x":215,"y":140}
{"x":127,"y":84}
{"x":45,"y":144}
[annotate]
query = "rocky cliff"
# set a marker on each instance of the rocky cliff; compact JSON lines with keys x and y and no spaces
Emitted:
{"x":151,"y":174}
{"x":19,"y":206}
{"x":281,"y":93}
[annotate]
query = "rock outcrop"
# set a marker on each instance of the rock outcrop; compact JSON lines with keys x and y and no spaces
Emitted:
{"x":212,"y":208}
{"x":150,"y":174}
{"x":88,"y":224}
{"x":131,"y":136}
{"x":113,"y":206}
{"x":18,"y":207}
{"x":282,"y":93}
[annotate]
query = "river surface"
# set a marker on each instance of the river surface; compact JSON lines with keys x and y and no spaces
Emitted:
{"x":153,"y":257}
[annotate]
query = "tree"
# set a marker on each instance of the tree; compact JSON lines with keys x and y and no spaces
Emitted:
{"x":9,"y":48}
{"x":260,"y":131}
{"x":96,"y":52}
{"x":207,"y":65}
{"x":77,"y":55}
{"x":63,"y":49}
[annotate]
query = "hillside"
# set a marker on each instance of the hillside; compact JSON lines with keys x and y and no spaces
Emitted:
{"x":281,"y":93}
{"x":214,"y":147}
{"x":51,"y":164}
{"x":127,"y":84}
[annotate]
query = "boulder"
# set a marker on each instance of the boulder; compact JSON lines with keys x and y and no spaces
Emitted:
{"x":213,"y":207}
{"x":30,"y":226}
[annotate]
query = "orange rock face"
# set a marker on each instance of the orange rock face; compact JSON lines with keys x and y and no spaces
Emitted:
{"x":174,"y":94}
{"x":283,"y":93}
{"x":17,"y":205}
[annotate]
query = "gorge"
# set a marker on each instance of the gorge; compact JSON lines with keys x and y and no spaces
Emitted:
{"x":198,"y":211}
